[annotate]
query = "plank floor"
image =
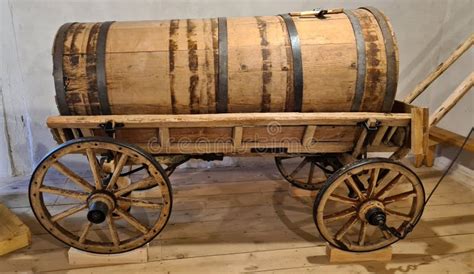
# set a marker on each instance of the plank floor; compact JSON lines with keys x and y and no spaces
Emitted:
{"x":242,"y":219}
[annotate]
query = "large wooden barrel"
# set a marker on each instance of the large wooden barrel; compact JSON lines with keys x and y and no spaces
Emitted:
{"x":342,"y":61}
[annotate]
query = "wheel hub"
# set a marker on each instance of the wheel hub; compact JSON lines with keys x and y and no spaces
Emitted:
{"x":376,"y":216}
{"x":373,"y":212}
{"x":100,"y":204}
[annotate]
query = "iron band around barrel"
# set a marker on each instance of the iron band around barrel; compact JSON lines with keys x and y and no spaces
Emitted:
{"x":361,"y":60}
{"x":222,"y":86}
{"x":58,"y":73}
{"x":297,"y":61}
{"x":392,"y":70}
{"x":100,"y":68}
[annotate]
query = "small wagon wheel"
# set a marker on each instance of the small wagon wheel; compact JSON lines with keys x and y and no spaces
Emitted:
{"x":302,"y":171}
{"x":92,"y":210}
{"x":391,"y":195}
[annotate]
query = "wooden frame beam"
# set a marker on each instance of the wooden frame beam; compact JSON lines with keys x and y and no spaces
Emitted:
{"x":230,"y":119}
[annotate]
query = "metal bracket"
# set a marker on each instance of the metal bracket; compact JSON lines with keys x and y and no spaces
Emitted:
{"x":370,"y":124}
{"x":318,"y":13}
{"x":110,"y":126}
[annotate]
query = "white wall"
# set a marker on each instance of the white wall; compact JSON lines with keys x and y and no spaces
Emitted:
{"x":5,"y":164}
{"x":427,"y":31}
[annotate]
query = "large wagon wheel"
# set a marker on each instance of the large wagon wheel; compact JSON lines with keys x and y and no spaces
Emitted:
{"x":391,"y":196}
{"x":92,"y":210}
{"x":301,"y":171}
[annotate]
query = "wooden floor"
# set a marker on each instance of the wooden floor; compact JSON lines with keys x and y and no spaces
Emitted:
{"x":243,"y":220}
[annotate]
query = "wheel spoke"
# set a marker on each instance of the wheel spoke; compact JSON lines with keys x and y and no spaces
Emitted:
{"x":388,"y":177}
{"x":342,"y":199}
{"x":113,"y":230}
{"x":385,"y":234}
{"x":141,"y":203}
{"x":145,"y":183}
{"x":117,"y":170}
{"x":73,"y":176}
{"x":131,"y":220}
{"x":399,"y":197}
{"x":398,"y":215}
{"x":84,"y":232}
{"x":311,"y":172}
{"x":340,"y":215}
{"x":64,"y":192}
{"x":299,"y":167}
{"x":389,"y":186}
{"x":362,"y":232}
{"x":94,"y":168}
{"x":345,"y":228}
{"x":352,"y":184}
{"x":373,"y":182}
{"x":68,"y":212}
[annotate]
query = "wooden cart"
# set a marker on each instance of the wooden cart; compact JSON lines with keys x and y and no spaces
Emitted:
{"x":123,"y":199}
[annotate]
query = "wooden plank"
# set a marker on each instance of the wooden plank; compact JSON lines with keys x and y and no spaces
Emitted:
{"x":247,"y":148}
{"x":390,"y":135}
{"x":87,"y":132}
{"x":75,"y":133}
{"x":62,"y":135}
{"x":78,"y":257}
{"x":440,"y":135}
{"x":440,"y":69}
{"x":452,"y":100}
{"x":340,"y":256}
{"x":237,"y":136}
{"x":379,"y":135}
{"x":360,"y":143}
{"x":308,"y":135}
{"x":295,"y":260}
{"x":229,"y":119}
{"x":164,"y":137}
{"x":14,"y":234}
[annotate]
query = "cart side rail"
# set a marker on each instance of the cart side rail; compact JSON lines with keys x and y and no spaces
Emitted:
{"x":243,"y":133}
{"x":229,"y":119}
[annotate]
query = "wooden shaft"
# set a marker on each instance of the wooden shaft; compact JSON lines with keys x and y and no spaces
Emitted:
{"x":452,"y":100}
{"x":440,"y":69}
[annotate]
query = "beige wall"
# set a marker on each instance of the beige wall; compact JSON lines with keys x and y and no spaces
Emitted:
{"x":427,"y":31}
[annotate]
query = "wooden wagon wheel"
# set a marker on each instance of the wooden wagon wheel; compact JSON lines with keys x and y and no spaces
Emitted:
{"x":391,"y":194}
{"x":91,"y":210}
{"x":301,"y":172}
